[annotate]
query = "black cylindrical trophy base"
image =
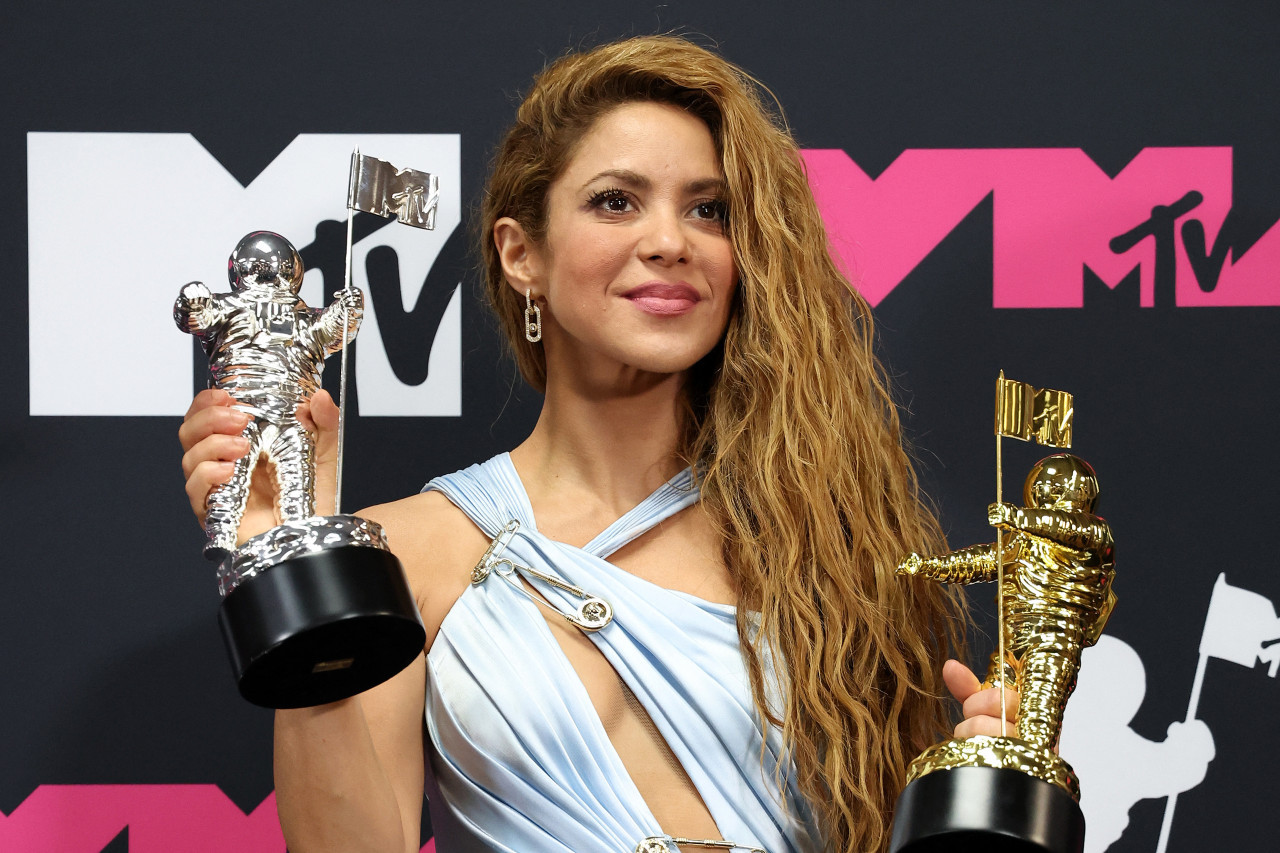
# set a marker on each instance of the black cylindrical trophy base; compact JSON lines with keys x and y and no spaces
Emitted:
{"x":995,"y":810}
{"x":321,"y":627}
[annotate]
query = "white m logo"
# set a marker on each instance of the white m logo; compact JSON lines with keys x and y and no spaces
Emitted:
{"x":118,"y":222}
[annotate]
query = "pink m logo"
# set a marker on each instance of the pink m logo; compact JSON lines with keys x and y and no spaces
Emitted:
{"x":1054,"y":212}
{"x":160,"y":819}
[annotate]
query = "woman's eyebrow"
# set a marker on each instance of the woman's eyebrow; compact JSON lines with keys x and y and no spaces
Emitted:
{"x":624,"y":176}
{"x":713,"y":185}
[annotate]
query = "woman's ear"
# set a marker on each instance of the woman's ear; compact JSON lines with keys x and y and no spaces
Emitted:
{"x":521,"y":260}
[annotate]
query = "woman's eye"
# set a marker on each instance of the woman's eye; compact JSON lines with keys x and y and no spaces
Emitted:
{"x":613,"y":201}
{"x":714,"y":211}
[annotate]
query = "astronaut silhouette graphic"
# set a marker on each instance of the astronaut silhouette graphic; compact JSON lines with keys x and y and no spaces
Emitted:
{"x":266,"y":348}
{"x":1057,"y":594}
{"x":1118,"y":767}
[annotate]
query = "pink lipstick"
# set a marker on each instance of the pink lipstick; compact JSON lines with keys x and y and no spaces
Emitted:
{"x":662,"y":298}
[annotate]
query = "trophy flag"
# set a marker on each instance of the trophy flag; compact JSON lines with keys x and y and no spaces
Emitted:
{"x":1026,"y":413}
{"x":378,"y":187}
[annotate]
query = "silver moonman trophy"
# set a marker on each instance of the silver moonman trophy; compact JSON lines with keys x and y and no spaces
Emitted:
{"x":316,"y":609}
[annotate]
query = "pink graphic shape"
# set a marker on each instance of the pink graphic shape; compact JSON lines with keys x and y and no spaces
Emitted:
{"x":881,"y":229}
{"x":1251,"y":279}
{"x":161,"y":819}
{"x":1054,"y":211}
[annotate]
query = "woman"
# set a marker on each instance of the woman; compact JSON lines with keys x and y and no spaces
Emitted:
{"x":716,"y":425}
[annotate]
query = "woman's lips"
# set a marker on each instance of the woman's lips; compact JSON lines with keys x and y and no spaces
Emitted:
{"x":662,"y":298}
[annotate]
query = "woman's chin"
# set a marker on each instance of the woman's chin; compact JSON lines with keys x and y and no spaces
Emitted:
{"x":661,"y":356}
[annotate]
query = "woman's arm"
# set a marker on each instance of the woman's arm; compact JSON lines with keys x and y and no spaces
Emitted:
{"x":349,"y":775}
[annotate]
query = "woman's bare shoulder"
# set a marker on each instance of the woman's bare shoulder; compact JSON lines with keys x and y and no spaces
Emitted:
{"x":428,"y":518}
{"x":437,"y":545}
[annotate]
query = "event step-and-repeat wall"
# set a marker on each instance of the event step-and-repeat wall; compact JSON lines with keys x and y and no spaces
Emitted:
{"x":1084,"y":195}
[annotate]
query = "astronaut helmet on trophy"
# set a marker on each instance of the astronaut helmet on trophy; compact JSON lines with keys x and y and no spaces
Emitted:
{"x":265,"y":259}
{"x":1061,"y":481}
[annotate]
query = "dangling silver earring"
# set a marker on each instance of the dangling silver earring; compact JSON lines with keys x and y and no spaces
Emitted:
{"x":532,"y":319}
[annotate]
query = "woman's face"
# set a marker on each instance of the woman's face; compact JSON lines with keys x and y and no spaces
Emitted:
{"x":636,"y":271}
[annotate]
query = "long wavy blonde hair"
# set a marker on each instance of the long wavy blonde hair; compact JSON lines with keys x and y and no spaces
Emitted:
{"x":793,"y":424}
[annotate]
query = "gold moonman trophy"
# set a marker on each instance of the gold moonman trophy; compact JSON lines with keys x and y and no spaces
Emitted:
{"x":1053,"y":564}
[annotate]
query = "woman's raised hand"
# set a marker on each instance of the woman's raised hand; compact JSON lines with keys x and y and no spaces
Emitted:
{"x":981,"y":706}
{"x":211,"y":442}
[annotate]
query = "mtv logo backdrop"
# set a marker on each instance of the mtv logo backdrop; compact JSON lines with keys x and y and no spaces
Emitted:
{"x":144,"y":209}
{"x":1083,"y":195}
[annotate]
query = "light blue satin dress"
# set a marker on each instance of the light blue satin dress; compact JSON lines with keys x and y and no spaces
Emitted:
{"x":520,"y":760}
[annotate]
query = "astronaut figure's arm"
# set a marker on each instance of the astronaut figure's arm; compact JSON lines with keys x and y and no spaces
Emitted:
{"x":1078,"y":530}
{"x":198,"y":310}
{"x":975,"y":564}
{"x":328,"y":328}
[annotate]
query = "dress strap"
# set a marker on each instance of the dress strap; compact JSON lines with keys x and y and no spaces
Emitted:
{"x":670,"y":498}
{"x":489,"y":493}
{"x":492,"y":495}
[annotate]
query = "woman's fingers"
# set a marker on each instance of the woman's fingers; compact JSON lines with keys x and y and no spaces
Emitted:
{"x":972,"y":726}
{"x":207,"y":397}
{"x":216,"y":447}
{"x":211,"y":413}
{"x":319,"y":415}
{"x":982,"y":713}
{"x":981,"y":706}
{"x":211,"y":438}
{"x":202,"y":479}
{"x":960,"y":680}
{"x":986,"y":703}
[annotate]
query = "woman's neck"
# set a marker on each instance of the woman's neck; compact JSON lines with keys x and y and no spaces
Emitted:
{"x":598,"y":450}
